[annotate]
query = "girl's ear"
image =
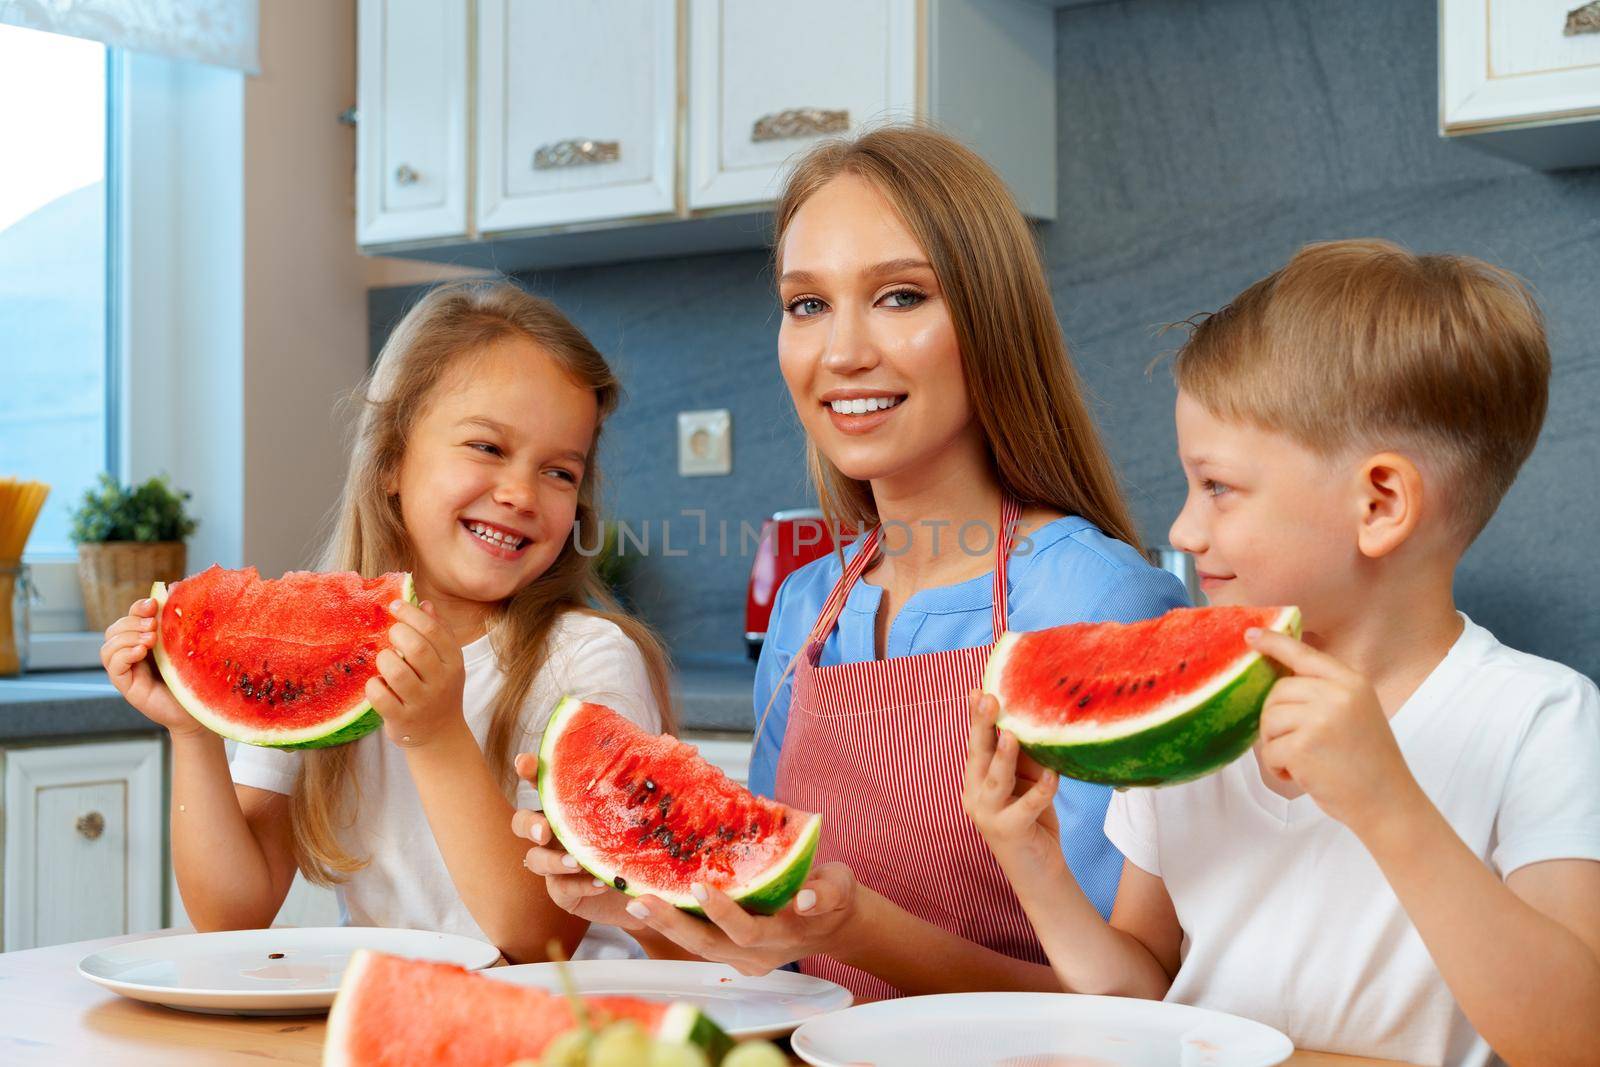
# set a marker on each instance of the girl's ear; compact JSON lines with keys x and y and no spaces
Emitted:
{"x":1390,"y":490}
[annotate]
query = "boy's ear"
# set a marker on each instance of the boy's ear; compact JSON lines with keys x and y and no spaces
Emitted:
{"x":1390,"y":488}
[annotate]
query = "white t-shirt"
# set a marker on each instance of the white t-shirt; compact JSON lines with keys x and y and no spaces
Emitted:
{"x":405,"y":883}
{"x":1286,"y":917}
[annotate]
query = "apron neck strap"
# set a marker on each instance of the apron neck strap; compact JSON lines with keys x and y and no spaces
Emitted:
{"x":867,"y":555}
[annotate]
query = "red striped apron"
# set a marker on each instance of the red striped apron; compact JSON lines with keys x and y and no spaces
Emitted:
{"x":878,"y":748}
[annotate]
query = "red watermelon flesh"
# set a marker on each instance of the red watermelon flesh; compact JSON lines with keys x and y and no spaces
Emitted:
{"x":648,"y":815}
{"x":394,"y":1012}
{"x":282,"y":662}
{"x":1153,"y":702}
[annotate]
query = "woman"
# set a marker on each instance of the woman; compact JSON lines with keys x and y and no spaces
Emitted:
{"x":922,"y":353}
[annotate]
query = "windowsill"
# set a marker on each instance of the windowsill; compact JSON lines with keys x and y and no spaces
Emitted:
{"x":64,"y":651}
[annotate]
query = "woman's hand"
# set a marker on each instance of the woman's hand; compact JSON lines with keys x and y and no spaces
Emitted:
{"x":1009,"y":797}
{"x":126,"y":658}
{"x":809,"y":924}
{"x":420,"y":679}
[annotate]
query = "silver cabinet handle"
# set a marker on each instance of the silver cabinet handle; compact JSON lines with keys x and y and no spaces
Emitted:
{"x":576,"y":153}
{"x":91,"y":825}
{"x":404,"y":174}
{"x":1585,"y":19}
{"x":799,"y":122}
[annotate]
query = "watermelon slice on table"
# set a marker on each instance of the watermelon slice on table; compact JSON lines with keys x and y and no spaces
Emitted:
{"x":281,"y":663}
{"x":394,"y":1012}
{"x":1155,"y":702}
{"x":648,"y":815}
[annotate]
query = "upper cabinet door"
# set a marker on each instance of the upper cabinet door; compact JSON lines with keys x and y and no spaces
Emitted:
{"x":762,"y":87}
{"x":577,"y":108}
{"x":1523,"y":77}
{"x":411,"y":143}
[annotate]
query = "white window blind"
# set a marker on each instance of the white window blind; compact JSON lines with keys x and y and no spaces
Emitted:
{"x":218,"y":32}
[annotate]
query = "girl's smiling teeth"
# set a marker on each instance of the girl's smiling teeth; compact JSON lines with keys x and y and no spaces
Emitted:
{"x":495,"y":536}
{"x":864,"y":405}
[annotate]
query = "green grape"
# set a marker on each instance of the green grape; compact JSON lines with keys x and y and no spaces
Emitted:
{"x":622,"y":1044}
{"x":665,"y":1054}
{"x":755,"y":1054}
{"x":673,"y":1054}
{"x":571,"y":1049}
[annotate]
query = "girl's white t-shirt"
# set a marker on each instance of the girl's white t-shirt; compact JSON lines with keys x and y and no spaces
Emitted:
{"x":405,"y":883}
{"x":1286,"y":917}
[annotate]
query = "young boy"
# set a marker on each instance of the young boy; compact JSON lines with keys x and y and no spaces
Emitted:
{"x":1405,"y":866}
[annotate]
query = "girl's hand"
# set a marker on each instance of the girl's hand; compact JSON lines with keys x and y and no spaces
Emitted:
{"x":420,"y":680}
{"x":126,"y":658}
{"x":1324,"y":730}
{"x":572,"y":888}
{"x":809,"y":924}
{"x":1009,"y":797}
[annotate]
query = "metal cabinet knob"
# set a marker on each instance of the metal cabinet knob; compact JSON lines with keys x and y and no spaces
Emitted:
{"x":406,"y":175}
{"x":91,"y":825}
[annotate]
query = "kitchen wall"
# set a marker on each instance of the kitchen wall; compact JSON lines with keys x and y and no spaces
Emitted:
{"x":1200,"y":143}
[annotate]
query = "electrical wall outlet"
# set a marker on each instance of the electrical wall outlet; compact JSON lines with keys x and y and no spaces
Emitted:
{"x":705,"y":443}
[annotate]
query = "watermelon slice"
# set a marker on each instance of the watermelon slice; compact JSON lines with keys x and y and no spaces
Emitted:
{"x":281,"y":663}
{"x":1156,"y":702}
{"x":649,"y":815}
{"x":394,"y":1012}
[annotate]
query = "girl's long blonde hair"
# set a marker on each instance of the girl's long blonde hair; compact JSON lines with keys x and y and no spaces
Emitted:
{"x":451,"y":323}
{"x":1030,"y":404}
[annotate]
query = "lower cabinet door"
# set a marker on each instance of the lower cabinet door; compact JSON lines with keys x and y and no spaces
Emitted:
{"x":83,"y":842}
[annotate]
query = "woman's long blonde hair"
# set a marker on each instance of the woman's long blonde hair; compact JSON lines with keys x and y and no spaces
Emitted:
{"x":1030,"y":404}
{"x":452,"y":323}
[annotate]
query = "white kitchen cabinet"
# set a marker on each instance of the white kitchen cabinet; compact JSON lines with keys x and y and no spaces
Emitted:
{"x":83,"y":842}
{"x":411,"y":132}
{"x":576,"y":111}
{"x":1512,"y":80}
{"x":625,"y":129}
{"x":762,"y":87}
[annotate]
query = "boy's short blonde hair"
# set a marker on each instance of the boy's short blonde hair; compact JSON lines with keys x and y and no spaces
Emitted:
{"x":1364,"y":345}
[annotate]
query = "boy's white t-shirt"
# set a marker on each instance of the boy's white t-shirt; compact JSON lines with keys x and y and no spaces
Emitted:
{"x":405,"y":883}
{"x":1288,"y":920}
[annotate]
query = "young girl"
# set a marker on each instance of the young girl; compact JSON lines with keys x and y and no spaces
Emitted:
{"x":474,"y":458}
{"x":925,"y":363}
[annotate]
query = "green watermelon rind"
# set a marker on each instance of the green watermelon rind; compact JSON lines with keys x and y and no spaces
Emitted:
{"x":1181,"y":746}
{"x":766,"y":895}
{"x":352,"y":724}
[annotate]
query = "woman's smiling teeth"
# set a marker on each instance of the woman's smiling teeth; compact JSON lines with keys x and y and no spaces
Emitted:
{"x":864,"y":405}
{"x":496,"y":537}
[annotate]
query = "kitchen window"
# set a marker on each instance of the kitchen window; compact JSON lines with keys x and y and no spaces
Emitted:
{"x":58,"y":401}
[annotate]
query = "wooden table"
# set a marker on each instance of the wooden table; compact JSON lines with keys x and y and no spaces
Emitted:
{"x":50,"y":1015}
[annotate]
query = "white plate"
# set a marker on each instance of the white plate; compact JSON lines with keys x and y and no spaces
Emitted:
{"x":262,"y":972}
{"x":768,"y":1006}
{"x":1036,"y":1030}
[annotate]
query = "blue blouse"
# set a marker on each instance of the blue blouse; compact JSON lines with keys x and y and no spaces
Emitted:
{"x":1069,"y":572}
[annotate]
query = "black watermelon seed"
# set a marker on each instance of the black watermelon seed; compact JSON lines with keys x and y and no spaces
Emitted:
{"x":1075,"y":687}
{"x":1182,"y":663}
{"x":621,"y":883}
{"x":1084,"y":702}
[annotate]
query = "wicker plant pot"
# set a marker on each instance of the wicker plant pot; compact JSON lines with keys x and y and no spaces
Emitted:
{"x":114,"y":574}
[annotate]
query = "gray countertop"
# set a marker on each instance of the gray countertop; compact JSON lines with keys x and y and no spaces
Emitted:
{"x":60,"y":704}
{"x":713,"y":696}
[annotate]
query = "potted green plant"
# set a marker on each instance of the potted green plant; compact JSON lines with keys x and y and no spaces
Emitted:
{"x":128,"y":538}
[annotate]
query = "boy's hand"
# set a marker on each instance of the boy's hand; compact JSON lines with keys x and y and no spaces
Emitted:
{"x":126,"y":656}
{"x":1324,"y":730}
{"x":420,"y":680}
{"x":1008,"y":796}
